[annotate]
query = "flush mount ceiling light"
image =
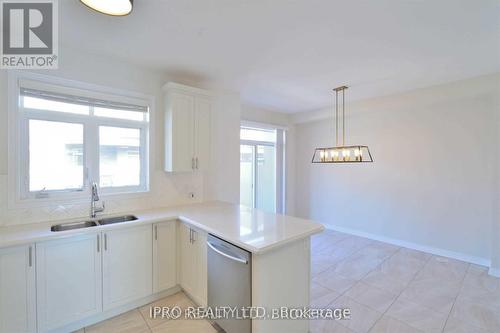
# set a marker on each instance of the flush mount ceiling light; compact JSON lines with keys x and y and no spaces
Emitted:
{"x":341,"y":153}
{"x":110,"y":7}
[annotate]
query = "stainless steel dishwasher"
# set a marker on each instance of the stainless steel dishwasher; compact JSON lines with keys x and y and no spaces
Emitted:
{"x":229,"y":282}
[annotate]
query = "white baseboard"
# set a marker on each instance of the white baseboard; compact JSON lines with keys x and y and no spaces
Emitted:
{"x":419,"y":247}
{"x":494,"y":272}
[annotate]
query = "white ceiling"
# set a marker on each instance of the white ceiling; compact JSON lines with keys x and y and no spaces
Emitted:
{"x":288,"y":54}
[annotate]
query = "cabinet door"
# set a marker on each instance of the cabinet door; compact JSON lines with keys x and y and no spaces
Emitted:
{"x":193,"y":262}
{"x":17,"y":290}
{"x":69,"y":280}
{"x":200,"y":253}
{"x":180,"y":132}
{"x":127,"y":265}
{"x":164,"y":256}
{"x":186,"y":261}
{"x":202,"y":132}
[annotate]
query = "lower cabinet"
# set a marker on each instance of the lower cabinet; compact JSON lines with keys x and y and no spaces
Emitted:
{"x":69,"y":280}
{"x":164,"y":256}
{"x":127,"y":265}
{"x":46,"y":286}
{"x":81,"y":276}
{"x":193,"y":262}
{"x":17,"y":289}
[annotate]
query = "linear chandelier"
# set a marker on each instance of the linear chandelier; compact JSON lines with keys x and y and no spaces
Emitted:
{"x":341,"y":153}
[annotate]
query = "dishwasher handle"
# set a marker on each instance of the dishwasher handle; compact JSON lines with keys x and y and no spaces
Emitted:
{"x":213,"y":247}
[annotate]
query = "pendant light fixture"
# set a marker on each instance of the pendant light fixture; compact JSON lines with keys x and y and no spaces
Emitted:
{"x":341,"y":153}
{"x":110,"y":7}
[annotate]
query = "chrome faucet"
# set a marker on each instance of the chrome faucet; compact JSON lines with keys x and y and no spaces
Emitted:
{"x":94,"y":198}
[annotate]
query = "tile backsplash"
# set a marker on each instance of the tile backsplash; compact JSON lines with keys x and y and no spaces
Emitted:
{"x":166,"y":190}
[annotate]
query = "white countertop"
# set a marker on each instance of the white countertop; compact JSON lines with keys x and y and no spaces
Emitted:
{"x":250,"y":229}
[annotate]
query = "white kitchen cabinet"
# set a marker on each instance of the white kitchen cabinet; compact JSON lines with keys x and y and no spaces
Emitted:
{"x":193,"y":262}
{"x":69,"y":280}
{"x":187,"y":128}
{"x":127,"y":265}
{"x":164,"y":256}
{"x":17,"y":289}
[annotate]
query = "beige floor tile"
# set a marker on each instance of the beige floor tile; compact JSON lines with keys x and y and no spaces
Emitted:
{"x":179,"y":299}
{"x":379,"y":250}
{"x":318,"y":290}
{"x":129,"y":322}
{"x":476,"y":314}
{"x":357,"y":265}
{"x":437,"y":294}
{"x":331,"y":280}
{"x":414,"y":255}
{"x":387,"y":324}
{"x":345,"y":247}
{"x":444,"y":268}
{"x":362,"y":317}
{"x":327,"y":238}
{"x":185,"y":326}
{"x":370,"y":296}
{"x":320,"y":263}
{"x":455,"y":325}
{"x":417,"y":316}
{"x":385,"y":281}
{"x":328,"y":326}
{"x":324,"y":300}
{"x":481,"y":287}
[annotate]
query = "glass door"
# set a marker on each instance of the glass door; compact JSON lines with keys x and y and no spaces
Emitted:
{"x":247,"y":175}
{"x":265,"y":178}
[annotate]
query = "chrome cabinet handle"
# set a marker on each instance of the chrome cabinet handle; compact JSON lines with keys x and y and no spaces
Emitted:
{"x":192,"y":163}
{"x":156,"y":232}
{"x":196,"y":164}
{"x":30,"y":256}
{"x":98,"y":243}
{"x":105,"y":242}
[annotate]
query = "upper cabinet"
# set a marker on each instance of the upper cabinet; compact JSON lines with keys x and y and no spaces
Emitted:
{"x":187,"y":128}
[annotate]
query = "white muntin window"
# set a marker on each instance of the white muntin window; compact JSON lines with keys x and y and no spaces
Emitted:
{"x":69,"y":137}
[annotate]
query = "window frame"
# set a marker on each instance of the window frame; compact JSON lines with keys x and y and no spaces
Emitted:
{"x":19,"y":117}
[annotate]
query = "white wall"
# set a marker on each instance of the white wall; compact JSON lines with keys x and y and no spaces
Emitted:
{"x":434,"y":182}
{"x":282,"y":120}
{"x":166,"y":189}
{"x":224,"y":181}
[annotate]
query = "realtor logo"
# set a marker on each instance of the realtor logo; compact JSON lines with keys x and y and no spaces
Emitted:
{"x":29,"y":34}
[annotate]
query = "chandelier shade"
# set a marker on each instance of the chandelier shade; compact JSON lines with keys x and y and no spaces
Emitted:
{"x":341,"y":153}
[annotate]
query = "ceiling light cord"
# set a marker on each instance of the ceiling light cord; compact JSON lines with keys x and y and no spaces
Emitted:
{"x":343,"y":117}
{"x":336,"y":118}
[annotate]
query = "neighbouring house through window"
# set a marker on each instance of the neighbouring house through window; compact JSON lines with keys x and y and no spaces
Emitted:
{"x":68,"y":140}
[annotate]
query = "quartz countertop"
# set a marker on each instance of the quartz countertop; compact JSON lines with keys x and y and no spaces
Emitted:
{"x":251,"y":229}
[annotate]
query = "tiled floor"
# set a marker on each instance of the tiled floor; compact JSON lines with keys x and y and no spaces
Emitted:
{"x":392,"y":289}
{"x":387,"y":288}
{"x":139,"y":320}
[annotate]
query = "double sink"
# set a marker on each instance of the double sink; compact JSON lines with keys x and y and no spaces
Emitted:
{"x":88,"y":224}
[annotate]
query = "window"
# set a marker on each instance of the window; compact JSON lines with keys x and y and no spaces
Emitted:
{"x":70,"y":140}
{"x":261,"y":175}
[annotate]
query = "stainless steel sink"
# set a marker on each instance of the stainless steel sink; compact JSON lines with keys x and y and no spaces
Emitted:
{"x":117,"y":219}
{"x":73,"y":225}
